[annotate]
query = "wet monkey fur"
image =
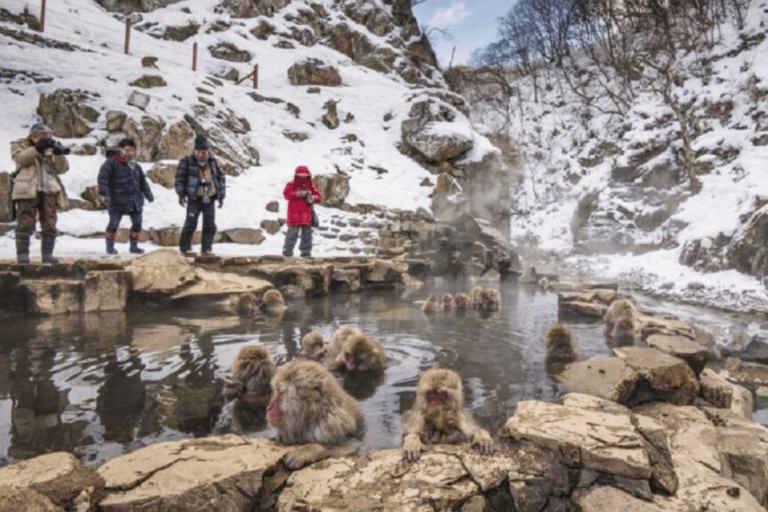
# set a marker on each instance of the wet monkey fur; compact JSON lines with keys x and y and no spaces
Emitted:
{"x":309,"y":406}
{"x":438,"y":414}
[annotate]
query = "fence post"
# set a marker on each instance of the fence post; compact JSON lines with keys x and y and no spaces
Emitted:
{"x":255,"y":76}
{"x":194,"y":57}
{"x":41,"y":25}
{"x":127,"y":34}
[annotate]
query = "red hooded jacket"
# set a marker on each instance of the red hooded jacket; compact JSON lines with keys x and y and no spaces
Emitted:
{"x":299,"y":213}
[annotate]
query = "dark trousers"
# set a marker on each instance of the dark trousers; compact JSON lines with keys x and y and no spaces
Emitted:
{"x":305,"y":245}
{"x":114,"y":221}
{"x":195,"y":207}
{"x":27,"y":213}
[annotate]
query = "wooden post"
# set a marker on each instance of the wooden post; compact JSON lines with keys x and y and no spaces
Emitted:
{"x":194,"y":57}
{"x":255,"y":76}
{"x":41,"y":25}
{"x":127,"y":34}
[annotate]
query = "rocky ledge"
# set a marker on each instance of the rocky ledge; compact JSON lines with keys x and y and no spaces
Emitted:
{"x":582,"y":453}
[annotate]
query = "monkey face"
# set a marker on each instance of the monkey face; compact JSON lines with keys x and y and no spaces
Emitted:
{"x":275,"y":410}
{"x":436,"y":398}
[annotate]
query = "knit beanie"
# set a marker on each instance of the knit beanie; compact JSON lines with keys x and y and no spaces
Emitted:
{"x":39,"y":128}
{"x":200,"y":142}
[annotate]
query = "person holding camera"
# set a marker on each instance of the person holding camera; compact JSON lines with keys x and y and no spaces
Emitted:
{"x":37,"y":189}
{"x":124,"y":187}
{"x":301,"y":194}
{"x":199,"y":184}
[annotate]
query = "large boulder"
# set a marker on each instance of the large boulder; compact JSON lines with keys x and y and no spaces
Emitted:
{"x":175,"y":142}
{"x":314,"y":72}
{"x":436,"y":131}
{"x":661,"y":376}
{"x":67,"y":112}
{"x":333,"y":187}
{"x":60,"y":477}
{"x":216,"y":474}
{"x":146,"y":132}
{"x":605,"y":377}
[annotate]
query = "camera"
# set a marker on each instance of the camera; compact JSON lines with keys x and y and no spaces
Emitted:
{"x":59,"y":149}
{"x":206,"y":190}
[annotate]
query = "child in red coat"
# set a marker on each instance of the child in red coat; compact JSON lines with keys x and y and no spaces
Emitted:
{"x":301,"y":194}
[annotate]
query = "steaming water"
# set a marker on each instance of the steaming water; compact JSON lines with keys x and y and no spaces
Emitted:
{"x":102,"y":385}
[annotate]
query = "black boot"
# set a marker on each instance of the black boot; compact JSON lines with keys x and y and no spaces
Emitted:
{"x":111,"y":245}
{"x":135,"y":249}
{"x":46,"y":249}
{"x":22,"y":249}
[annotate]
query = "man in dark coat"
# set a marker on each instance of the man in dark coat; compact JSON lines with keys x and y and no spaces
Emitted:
{"x":199,"y":183}
{"x":301,"y":194}
{"x":124,"y":186}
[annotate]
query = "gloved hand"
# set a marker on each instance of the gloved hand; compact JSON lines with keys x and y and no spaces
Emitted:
{"x":221,"y":203}
{"x":106,"y":201}
{"x":151,"y":199}
{"x":182,"y":200}
{"x":44,"y":144}
{"x":309,"y":199}
{"x":59,"y":149}
{"x":302,"y":193}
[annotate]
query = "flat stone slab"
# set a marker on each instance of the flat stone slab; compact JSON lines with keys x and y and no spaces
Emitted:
{"x":610,"y":378}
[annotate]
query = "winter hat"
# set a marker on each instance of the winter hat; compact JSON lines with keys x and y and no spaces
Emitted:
{"x":39,"y":128}
{"x":302,"y":169}
{"x":200,"y":142}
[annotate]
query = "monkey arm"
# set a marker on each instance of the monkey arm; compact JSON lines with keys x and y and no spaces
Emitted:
{"x":412,"y":444}
{"x":304,"y":455}
{"x":480,"y":437}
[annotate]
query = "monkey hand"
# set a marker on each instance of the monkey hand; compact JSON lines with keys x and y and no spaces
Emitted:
{"x":304,"y":455}
{"x":482,"y":440}
{"x":412,"y":447}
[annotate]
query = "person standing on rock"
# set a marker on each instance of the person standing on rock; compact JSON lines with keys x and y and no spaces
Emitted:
{"x":301,"y":194}
{"x":37,"y":190}
{"x":199,"y":183}
{"x":124,"y":187}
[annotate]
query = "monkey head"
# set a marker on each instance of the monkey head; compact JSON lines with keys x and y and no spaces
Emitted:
{"x":246,"y":304}
{"x":440,"y":387}
{"x":253,"y":368}
{"x":312,"y":345}
{"x":360,"y":353}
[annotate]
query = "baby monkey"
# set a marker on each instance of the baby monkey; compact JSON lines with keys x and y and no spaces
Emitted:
{"x":252,"y":372}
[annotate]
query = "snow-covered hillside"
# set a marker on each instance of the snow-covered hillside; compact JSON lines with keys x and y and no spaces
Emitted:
{"x":636,"y":225}
{"x":370,"y":106}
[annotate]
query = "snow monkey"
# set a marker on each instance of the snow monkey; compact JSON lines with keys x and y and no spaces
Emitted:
{"x":359,"y":353}
{"x":476,"y":296}
{"x":440,"y":399}
{"x":623,"y":332}
{"x":338,"y":339}
{"x":245,"y":304}
{"x":252,"y":371}
{"x":447,"y":302}
{"x":620,"y":309}
{"x":309,"y":406}
{"x":313,"y":346}
{"x":490,"y":299}
{"x":272,"y":302}
{"x":461,"y":301}
{"x":559,"y":344}
{"x":430,"y":307}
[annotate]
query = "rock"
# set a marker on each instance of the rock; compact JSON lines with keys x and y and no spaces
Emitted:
{"x":67,"y":112}
{"x":596,"y":440}
{"x":106,"y":290}
{"x":115,"y":120}
{"x":313,"y":72}
{"x":176,"y":141}
{"x":606,"y":377}
{"x":164,"y":174}
{"x":92,"y":195}
{"x":712,"y":449}
{"x":58,"y":476}
{"x":53,"y":296}
{"x":346,"y":280}
{"x":682,"y":347}
{"x":149,"y":81}
{"x":165,"y":271}
{"x":146,"y":132}
{"x":580,"y":308}
{"x":721,"y":393}
{"x":436,"y":131}
{"x":270,"y":226}
{"x":218,"y":474}
{"x":330,"y":117}
{"x":448,"y":199}
{"x":245,"y":236}
{"x":756,"y":350}
{"x":274,"y":206}
{"x":662,"y":377}
{"x":24,"y":499}
{"x":139,"y":100}
{"x":333,"y":187}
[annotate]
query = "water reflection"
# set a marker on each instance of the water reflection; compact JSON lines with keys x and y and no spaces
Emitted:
{"x":101,"y":385}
